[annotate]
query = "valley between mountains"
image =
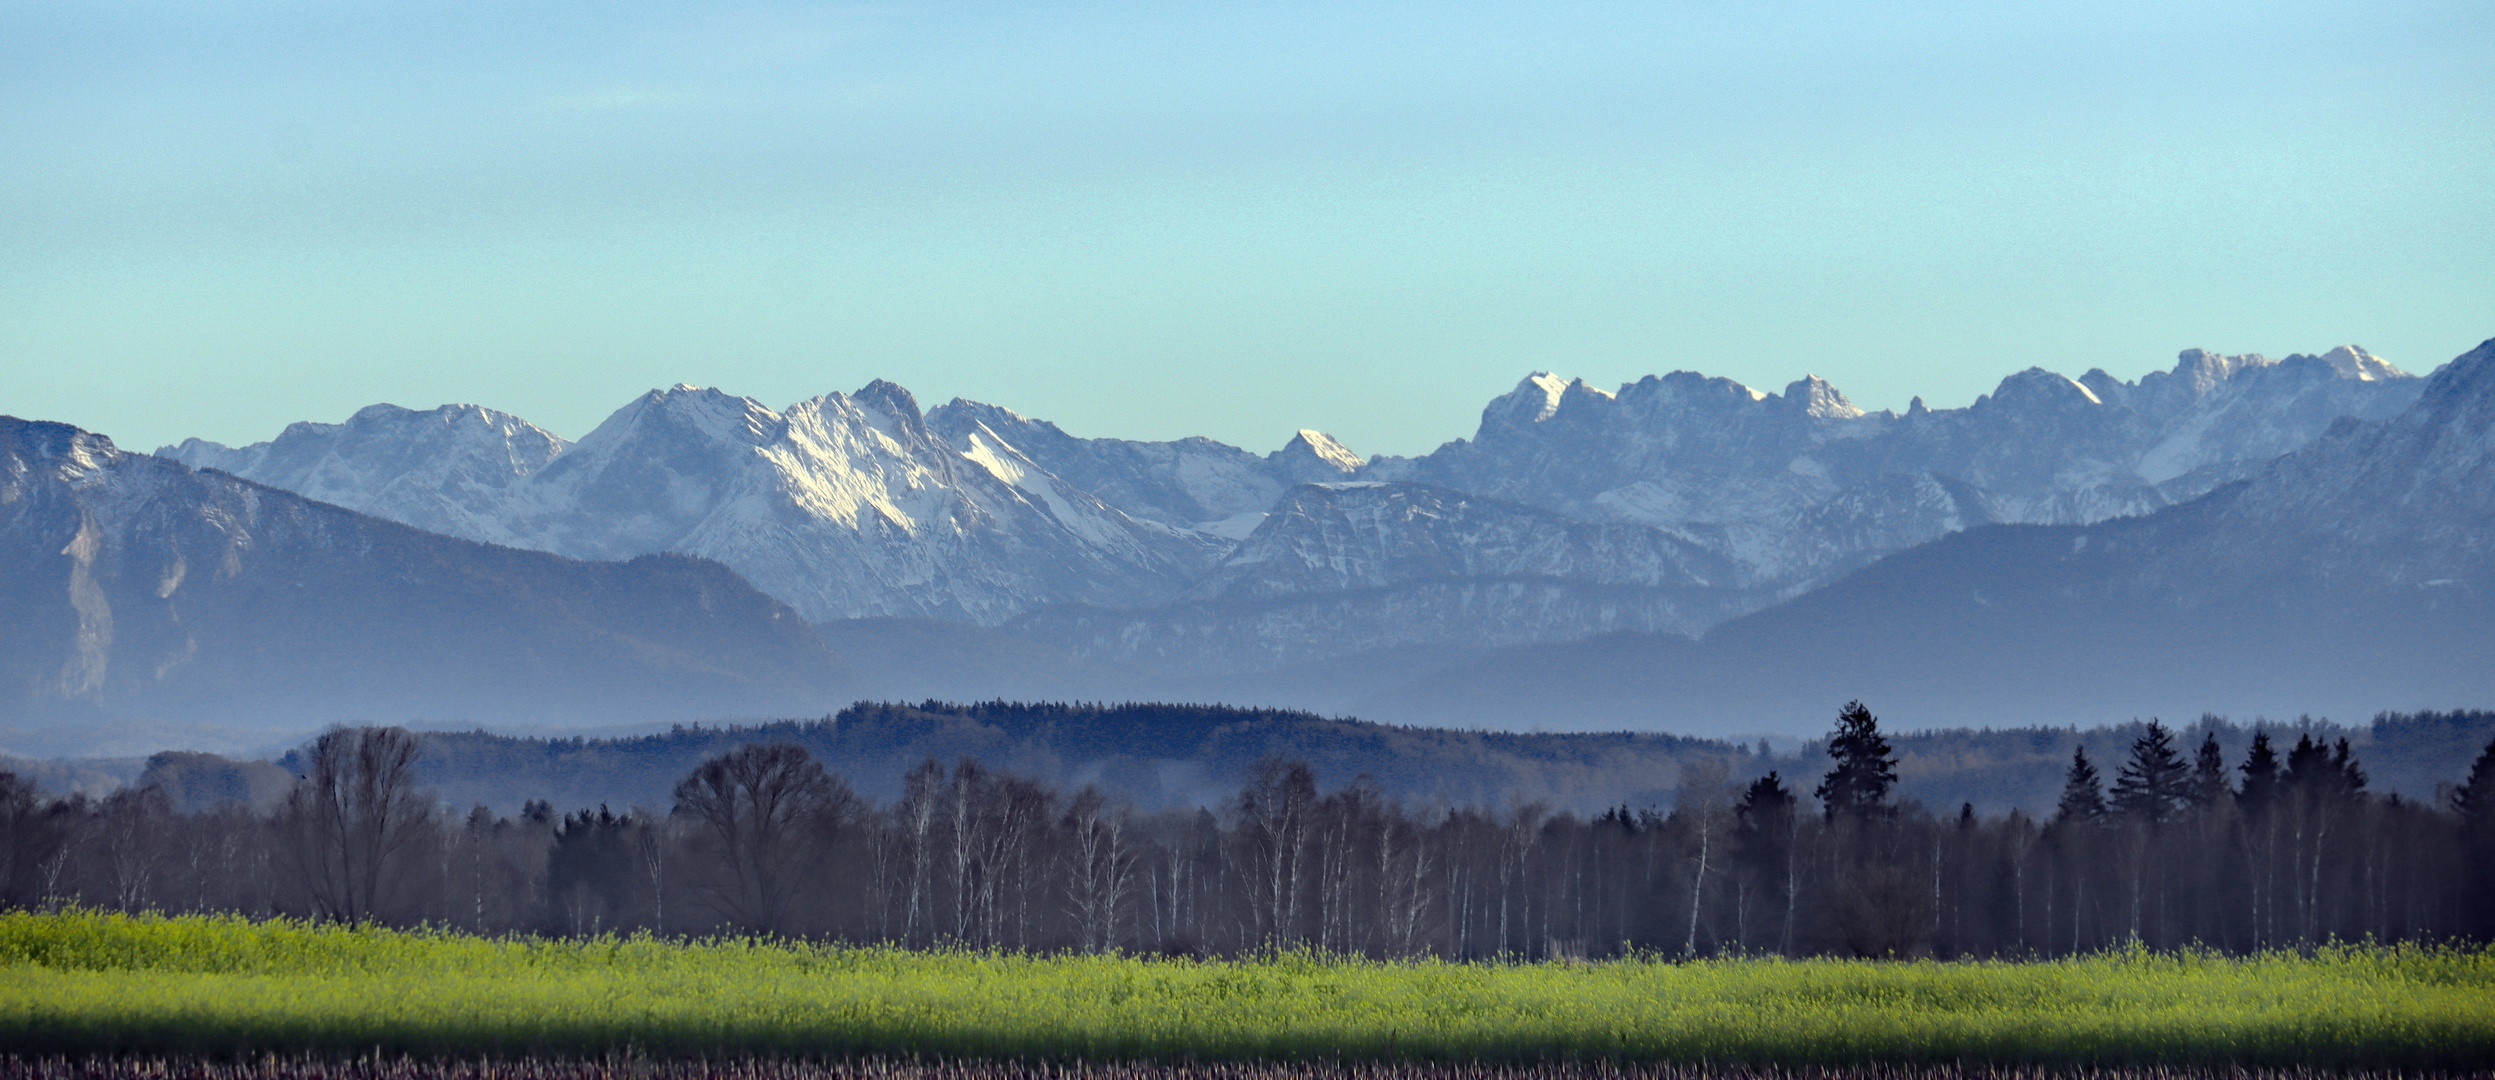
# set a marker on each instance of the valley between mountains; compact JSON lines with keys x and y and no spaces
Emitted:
{"x":2237,"y":534}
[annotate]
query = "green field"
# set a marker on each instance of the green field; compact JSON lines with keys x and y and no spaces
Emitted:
{"x":80,"y":983}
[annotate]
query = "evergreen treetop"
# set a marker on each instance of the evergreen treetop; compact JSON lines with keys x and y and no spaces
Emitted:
{"x":1859,"y":785}
{"x":2260,"y":769}
{"x":2209,"y":784}
{"x":2476,"y":799}
{"x":2154,"y":785}
{"x":2083,"y":799}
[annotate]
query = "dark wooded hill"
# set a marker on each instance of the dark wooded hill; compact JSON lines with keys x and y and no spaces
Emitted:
{"x":1157,"y":755}
{"x":1196,"y":755}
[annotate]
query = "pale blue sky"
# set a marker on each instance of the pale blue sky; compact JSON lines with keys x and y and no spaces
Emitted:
{"x":1153,"y":220}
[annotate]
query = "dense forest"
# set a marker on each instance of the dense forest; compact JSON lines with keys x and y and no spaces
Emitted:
{"x":2172,"y":843}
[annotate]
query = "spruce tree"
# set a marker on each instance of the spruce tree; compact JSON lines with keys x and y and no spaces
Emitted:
{"x":1763,"y":822}
{"x":2260,"y":770}
{"x":2351,"y":775}
{"x":1859,"y":785}
{"x":2083,"y":800}
{"x":2309,"y":768}
{"x":2209,"y":785}
{"x":2476,"y":799}
{"x":2153,"y":785}
{"x":2476,"y":802}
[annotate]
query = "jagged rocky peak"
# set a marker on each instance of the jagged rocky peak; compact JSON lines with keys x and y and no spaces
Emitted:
{"x":1540,"y":397}
{"x":2406,"y":501}
{"x":2107,"y":388}
{"x":1533,"y":400}
{"x":889,"y":399}
{"x":2199,"y":375}
{"x":1812,"y":396}
{"x":2353,"y":362}
{"x":1314,"y":457}
{"x":1692,"y":388}
{"x":36,"y":445}
{"x":956,"y":416}
{"x":2202,"y":369}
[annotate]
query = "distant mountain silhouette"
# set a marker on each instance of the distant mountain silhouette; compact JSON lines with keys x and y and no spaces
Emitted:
{"x":2352,"y":576}
{"x":1670,"y":504}
{"x":138,"y":588}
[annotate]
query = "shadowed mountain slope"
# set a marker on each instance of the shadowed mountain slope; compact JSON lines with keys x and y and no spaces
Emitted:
{"x":138,"y":588}
{"x":2352,"y":576}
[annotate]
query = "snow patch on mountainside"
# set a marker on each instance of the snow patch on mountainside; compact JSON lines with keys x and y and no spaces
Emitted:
{"x":446,"y":470}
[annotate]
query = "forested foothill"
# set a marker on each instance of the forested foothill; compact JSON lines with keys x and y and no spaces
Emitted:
{"x":1172,"y":756}
{"x":2172,"y":841}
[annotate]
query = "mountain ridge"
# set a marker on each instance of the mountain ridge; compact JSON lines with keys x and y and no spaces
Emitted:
{"x":858,"y":506}
{"x":2277,"y":594}
{"x":139,"y":587}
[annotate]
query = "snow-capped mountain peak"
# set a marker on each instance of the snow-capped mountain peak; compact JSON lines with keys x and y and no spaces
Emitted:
{"x":858,"y":504}
{"x":1812,"y":396}
{"x":1685,"y":450}
{"x":446,"y":469}
{"x":1533,"y":401}
{"x":891,"y":409}
{"x":2038,"y":389}
{"x":2353,"y":362}
{"x":1313,"y":457}
{"x":844,"y":505}
{"x":698,"y":412}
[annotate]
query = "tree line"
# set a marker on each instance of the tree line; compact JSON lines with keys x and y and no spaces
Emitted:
{"x":2284,"y":848}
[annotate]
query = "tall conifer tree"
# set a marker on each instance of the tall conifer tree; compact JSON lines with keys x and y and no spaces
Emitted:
{"x":2260,"y":770}
{"x":2154,"y":785}
{"x":2083,"y":798}
{"x":2476,"y":799}
{"x":2209,"y":785}
{"x":1859,"y":785}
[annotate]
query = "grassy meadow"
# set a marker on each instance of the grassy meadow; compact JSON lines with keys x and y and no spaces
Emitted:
{"x":82,"y":983}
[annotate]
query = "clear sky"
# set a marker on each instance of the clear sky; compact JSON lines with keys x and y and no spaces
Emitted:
{"x":1229,"y":219}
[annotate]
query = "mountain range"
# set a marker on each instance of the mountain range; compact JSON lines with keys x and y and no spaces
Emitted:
{"x":1684,"y":551}
{"x":2353,"y":575}
{"x":139,"y":588}
{"x":858,"y":506}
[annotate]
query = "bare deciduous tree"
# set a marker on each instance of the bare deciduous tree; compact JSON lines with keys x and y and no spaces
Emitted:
{"x":763,"y":817}
{"x":351,"y":819}
{"x":1102,"y":866}
{"x":1274,"y":812}
{"x":133,"y":835}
